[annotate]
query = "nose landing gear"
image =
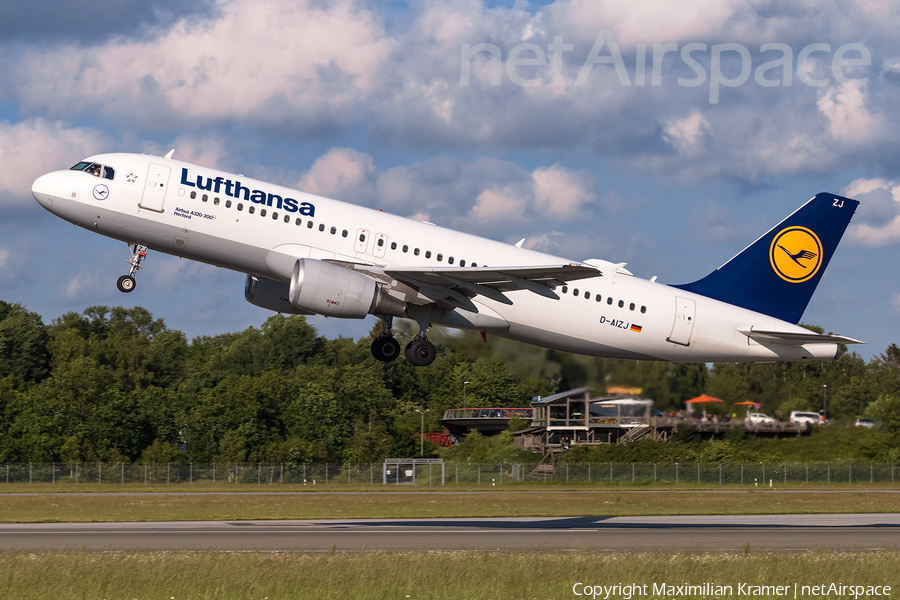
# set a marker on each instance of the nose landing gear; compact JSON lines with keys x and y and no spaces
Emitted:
{"x":126,"y":283}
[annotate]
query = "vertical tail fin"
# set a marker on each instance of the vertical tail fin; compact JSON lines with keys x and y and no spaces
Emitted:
{"x":778,"y":273}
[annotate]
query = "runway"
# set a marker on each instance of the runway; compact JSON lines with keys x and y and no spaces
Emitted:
{"x":722,"y":533}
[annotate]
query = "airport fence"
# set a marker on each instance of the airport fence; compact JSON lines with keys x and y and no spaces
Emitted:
{"x":437,"y":473}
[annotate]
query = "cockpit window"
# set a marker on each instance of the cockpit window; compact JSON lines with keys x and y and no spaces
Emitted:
{"x":95,"y":169}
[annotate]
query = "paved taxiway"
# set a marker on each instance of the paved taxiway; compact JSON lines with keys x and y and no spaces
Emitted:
{"x":730,"y":533}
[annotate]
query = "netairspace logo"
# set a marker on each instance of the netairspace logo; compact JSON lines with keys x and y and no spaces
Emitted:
{"x":630,"y":591}
{"x":779,"y":61}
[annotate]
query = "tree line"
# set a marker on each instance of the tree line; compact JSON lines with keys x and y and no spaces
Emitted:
{"x":116,"y":384}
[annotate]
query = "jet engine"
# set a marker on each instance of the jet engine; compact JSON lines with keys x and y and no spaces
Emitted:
{"x":327,"y":289}
{"x":271,"y":295}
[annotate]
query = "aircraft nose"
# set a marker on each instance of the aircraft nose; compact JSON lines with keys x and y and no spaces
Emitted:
{"x":44,"y":189}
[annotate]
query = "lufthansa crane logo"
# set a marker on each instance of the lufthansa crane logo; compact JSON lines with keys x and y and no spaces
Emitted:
{"x":795,"y":254}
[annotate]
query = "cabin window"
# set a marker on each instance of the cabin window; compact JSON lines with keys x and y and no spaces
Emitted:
{"x":428,"y":254}
{"x":380,"y":242}
{"x":631,"y":306}
{"x":462,"y":263}
{"x":240,"y":207}
{"x":405,"y":248}
{"x":287,"y":218}
{"x":344,"y":233}
{"x":309,"y":224}
{"x":228,"y":204}
{"x":297,"y":221}
{"x":333,"y":230}
{"x":262,"y":212}
{"x":621,"y":303}
{"x":587,"y":295}
{"x":575,"y":292}
{"x":416,"y":251}
{"x":598,"y":298}
{"x":440,"y":257}
{"x":205,"y":197}
{"x":474,"y":264}
{"x":274,"y":216}
{"x":193,"y":194}
{"x":251,"y":209}
{"x":609,"y":300}
{"x":362,"y":237}
{"x":216,"y":201}
{"x":321,"y":226}
{"x":450,"y":260}
{"x":643,"y":309}
{"x":393,"y":245}
{"x":565,"y":289}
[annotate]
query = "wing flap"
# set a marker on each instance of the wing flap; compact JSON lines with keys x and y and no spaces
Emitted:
{"x":492,"y":282}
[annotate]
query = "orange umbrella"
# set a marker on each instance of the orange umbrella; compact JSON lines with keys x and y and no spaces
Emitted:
{"x":703,"y":398}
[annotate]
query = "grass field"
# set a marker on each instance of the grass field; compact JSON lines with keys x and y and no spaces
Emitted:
{"x":187,"y":506}
{"x":430,"y":576}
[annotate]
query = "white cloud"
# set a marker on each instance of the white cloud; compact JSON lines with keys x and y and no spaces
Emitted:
{"x":29,"y":149}
{"x":263,"y":60}
{"x":338,"y":173}
{"x":83,"y":285}
{"x":561,"y":192}
{"x":878,"y":220}
{"x":846,"y":112}
{"x":686,"y":135}
{"x":505,"y":204}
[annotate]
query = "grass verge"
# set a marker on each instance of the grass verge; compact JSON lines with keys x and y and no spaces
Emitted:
{"x":206,"y":507}
{"x":433,"y":576}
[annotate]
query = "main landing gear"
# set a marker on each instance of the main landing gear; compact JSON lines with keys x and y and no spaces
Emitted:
{"x":385,"y":348}
{"x":419,"y":352}
{"x":126,"y":283}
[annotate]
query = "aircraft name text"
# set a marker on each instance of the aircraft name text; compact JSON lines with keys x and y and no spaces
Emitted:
{"x":234,"y":189}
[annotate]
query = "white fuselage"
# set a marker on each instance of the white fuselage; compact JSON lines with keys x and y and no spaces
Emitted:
{"x":157,"y":202}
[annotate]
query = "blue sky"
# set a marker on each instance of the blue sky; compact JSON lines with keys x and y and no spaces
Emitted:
{"x":741,"y":112}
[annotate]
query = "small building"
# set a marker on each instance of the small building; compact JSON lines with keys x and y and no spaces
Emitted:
{"x":574,"y":418}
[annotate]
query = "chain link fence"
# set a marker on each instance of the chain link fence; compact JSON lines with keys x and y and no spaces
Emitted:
{"x":459,"y":473}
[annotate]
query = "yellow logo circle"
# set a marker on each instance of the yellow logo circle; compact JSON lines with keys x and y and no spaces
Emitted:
{"x":795,"y":254}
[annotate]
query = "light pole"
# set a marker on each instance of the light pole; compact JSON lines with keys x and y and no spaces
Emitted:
{"x":422,"y":434}
{"x":465,"y":383}
{"x":824,"y":399}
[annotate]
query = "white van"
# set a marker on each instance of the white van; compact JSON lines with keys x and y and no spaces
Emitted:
{"x":799,"y":416}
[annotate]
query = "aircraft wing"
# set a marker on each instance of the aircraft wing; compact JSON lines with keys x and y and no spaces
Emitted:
{"x":790,"y":338}
{"x":455,"y":286}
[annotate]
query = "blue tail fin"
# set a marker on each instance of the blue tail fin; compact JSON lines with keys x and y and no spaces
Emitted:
{"x":778,"y":273}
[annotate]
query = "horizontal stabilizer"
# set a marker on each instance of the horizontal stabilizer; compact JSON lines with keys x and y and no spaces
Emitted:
{"x":791,"y":338}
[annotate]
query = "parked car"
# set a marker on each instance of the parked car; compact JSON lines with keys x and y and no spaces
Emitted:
{"x":865,"y":423}
{"x":759,"y":419}
{"x":800,"y":416}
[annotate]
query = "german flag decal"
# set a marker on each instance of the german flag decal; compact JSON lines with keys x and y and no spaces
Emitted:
{"x":635,"y":328}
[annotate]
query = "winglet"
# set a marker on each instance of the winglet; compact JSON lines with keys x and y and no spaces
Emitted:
{"x":778,"y":273}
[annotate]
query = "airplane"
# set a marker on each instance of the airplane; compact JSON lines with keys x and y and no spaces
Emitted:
{"x":305,"y":254}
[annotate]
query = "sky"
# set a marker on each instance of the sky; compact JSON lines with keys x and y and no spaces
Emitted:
{"x":665,"y":135}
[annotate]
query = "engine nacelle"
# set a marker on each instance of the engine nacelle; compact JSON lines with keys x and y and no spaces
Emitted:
{"x":271,"y":295}
{"x":333,"y":291}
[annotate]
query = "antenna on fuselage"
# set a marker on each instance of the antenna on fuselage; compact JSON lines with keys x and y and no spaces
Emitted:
{"x":170,"y":153}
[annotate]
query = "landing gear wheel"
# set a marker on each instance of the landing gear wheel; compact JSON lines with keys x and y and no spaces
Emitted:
{"x":385,"y":349}
{"x":420,"y":353}
{"x":126,"y":283}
